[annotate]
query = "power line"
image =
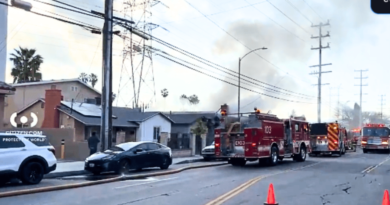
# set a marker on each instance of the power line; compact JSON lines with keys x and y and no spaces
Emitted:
{"x":230,"y":82}
{"x":287,"y":17}
{"x":237,"y":39}
{"x":292,"y":5}
{"x":193,"y":56}
{"x":276,"y":22}
{"x":236,"y":76}
{"x":312,"y":9}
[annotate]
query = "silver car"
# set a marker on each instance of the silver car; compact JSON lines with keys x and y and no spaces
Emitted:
{"x":208,"y":152}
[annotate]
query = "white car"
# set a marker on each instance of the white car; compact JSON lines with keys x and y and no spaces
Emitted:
{"x":26,"y":157}
{"x":208,"y":152}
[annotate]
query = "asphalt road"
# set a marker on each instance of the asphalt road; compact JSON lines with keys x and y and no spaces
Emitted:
{"x":318,"y":180}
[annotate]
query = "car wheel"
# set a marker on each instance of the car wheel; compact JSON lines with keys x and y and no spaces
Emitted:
{"x":32,"y":173}
{"x":95,"y":173}
{"x":124,"y":167}
{"x":4,"y":180}
{"x":165,"y":163}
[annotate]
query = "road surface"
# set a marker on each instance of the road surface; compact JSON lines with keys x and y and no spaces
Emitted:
{"x":354,"y":178}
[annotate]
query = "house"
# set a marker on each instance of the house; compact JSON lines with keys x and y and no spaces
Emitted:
{"x":30,"y":93}
{"x":181,"y":136}
{"x":5,"y":90}
{"x":85,"y":118}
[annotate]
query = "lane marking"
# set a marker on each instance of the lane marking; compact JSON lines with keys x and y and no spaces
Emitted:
{"x":141,"y":180}
{"x":225,"y":197}
{"x":373,"y":167}
{"x":157,"y":180}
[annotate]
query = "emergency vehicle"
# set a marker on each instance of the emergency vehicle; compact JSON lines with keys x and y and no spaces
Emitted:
{"x":375,"y":137}
{"x":264,"y":137}
{"x":354,"y":136}
{"x":327,"y":138}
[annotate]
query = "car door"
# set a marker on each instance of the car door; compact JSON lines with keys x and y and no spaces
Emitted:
{"x":155,"y":155}
{"x":141,"y":158}
{"x":12,"y":153}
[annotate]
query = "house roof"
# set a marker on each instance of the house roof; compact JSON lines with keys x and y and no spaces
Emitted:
{"x":90,"y":114}
{"x":31,"y":104}
{"x":5,"y":86}
{"x":188,"y":117}
{"x":43,"y":82}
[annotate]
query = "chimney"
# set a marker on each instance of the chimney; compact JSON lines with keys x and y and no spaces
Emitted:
{"x":98,"y":100}
{"x":53,"y":99}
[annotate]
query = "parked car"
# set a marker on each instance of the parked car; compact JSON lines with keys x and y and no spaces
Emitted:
{"x":26,"y":157}
{"x":208,"y":152}
{"x":131,"y":155}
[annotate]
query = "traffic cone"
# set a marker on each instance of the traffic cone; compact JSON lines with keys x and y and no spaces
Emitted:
{"x":271,"y":196}
{"x":386,"y":200}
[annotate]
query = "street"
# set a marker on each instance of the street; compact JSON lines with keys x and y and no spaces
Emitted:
{"x":319,"y":180}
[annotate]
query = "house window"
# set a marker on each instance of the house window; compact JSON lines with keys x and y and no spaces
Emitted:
{"x":53,"y":87}
{"x":42,"y":105}
{"x":156,"y":132}
{"x":74,"y":88}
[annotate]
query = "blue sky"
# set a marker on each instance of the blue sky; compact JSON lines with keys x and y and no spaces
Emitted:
{"x":221,"y":31}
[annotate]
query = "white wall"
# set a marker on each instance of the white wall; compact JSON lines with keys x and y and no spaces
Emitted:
{"x":3,"y":41}
{"x":145,"y":132}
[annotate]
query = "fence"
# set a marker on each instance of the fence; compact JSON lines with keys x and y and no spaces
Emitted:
{"x":73,"y":150}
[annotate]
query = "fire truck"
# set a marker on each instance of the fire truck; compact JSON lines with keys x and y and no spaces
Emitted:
{"x":375,"y":137}
{"x":327,"y":138}
{"x":354,"y":136}
{"x":264,"y":137}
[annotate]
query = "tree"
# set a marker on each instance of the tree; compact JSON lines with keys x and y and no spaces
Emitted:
{"x":26,"y":65}
{"x":92,"y":79}
{"x":113,"y":97}
{"x":164,"y":93}
{"x":84,"y":77}
{"x":200,"y":128}
{"x":193,"y":99}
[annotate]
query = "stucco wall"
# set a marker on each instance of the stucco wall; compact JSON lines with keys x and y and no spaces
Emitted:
{"x":181,"y":128}
{"x":37,"y":109}
{"x":25,"y":95}
{"x":146,"y":131}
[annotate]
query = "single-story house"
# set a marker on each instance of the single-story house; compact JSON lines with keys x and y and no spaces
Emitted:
{"x":128,"y":124}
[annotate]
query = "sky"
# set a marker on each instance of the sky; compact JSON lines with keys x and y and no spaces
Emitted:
{"x":222,"y":31}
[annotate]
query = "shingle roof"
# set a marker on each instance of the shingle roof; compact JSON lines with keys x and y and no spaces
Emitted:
{"x":188,"y":117}
{"x":124,"y":117}
{"x":5,"y":86}
{"x":42,"y":82}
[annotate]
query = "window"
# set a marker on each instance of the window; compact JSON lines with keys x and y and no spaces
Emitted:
{"x":53,"y":87}
{"x":39,"y":141}
{"x":152,"y":146}
{"x":10,"y":142}
{"x":142,"y":146}
{"x":156,"y":133}
{"x":42,"y":105}
{"x":297,"y":127}
{"x":73,"y":88}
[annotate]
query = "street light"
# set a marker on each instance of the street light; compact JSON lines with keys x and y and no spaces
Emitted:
{"x":239,"y":77}
{"x":21,"y":4}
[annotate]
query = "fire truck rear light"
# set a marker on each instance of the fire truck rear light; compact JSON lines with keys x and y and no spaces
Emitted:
{"x":217,"y":144}
{"x":253,"y":144}
{"x":385,"y":143}
{"x":335,"y":142}
{"x":364,"y":142}
{"x":318,"y":137}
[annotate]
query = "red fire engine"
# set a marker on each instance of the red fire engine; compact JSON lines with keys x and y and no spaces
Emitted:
{"x":328,"y":138}
{"x":375,"y":137}
{"x":264,"y":137}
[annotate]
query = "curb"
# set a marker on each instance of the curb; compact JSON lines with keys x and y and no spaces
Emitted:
{"x":190,"y":161}
{"x":64,"y":174}
{"x":103,"y":181}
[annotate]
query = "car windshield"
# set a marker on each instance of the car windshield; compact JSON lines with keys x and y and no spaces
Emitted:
{"x":127,"y":146}
{"x":375,"y":132}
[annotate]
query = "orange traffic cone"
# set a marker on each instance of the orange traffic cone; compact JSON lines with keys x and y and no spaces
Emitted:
{"x":386,"y":200}
{"x":271,"y":196}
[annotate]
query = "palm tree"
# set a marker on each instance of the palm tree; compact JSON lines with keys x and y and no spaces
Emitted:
{"x":84,"y":77}
{"x":93,"y":79}
{"x":26,"y":65}
{"x":164,"y":94}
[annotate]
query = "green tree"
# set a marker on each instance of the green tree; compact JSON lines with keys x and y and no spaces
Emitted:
{"x":26,"y":65}
{"x":84,"y":77}
{"x":200,"y":128}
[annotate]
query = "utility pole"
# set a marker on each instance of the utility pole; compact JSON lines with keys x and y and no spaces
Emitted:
{"x":106,"y":120}
{"x":320,"y":64}
{"x":361,"y":94}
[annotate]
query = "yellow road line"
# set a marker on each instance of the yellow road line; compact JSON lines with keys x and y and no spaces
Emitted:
{"x":225,"y":197}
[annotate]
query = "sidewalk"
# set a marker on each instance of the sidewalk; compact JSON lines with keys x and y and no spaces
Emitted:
{"x":67,"y":168}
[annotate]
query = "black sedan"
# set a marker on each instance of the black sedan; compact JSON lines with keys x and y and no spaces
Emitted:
{"x":131,"y":155}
